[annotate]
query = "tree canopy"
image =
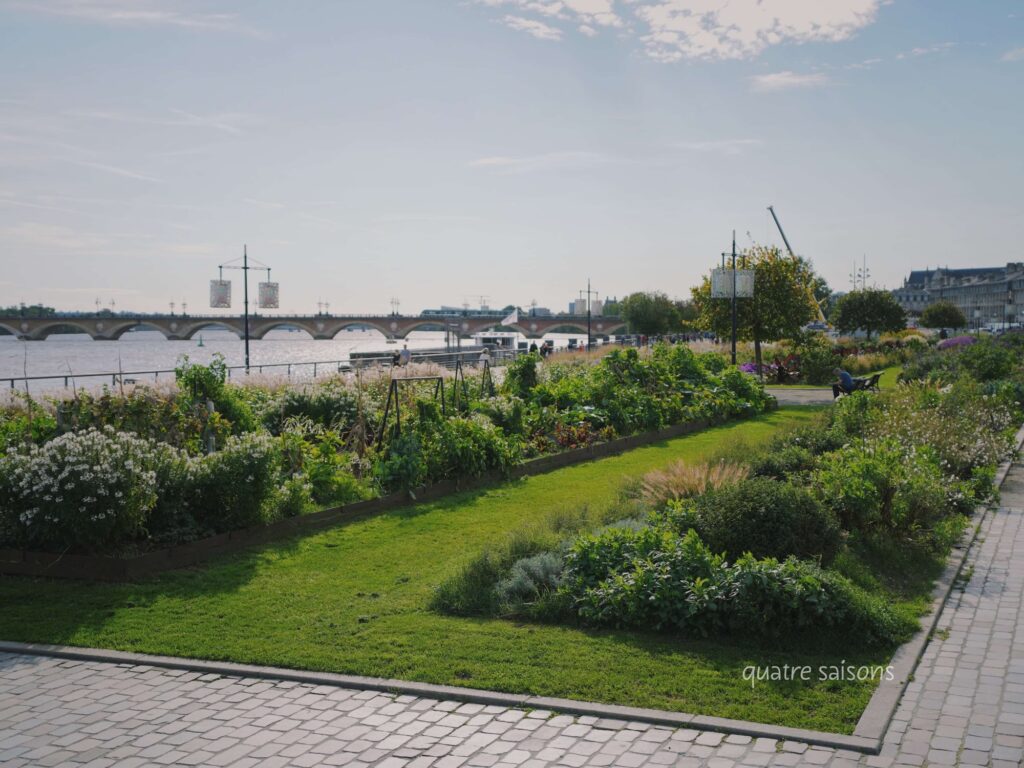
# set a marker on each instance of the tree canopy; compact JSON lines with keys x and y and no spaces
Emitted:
{"x":871,"y":310}
{"x":943,"y":314}
{"x":650,"y":313}
{"x":783,"y":300}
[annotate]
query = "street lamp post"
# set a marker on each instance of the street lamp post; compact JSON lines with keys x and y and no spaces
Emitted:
{"x":589,"y":294}
{"x":245,"y":292}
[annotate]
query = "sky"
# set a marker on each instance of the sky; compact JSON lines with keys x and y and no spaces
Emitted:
{"x":437,"y":152}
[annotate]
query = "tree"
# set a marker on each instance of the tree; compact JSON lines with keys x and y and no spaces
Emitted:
{"x":687,"y":314}
{"x":943,"y":314}
{"x":35,"y":310}
{"x":649,"y":313}
{"x":871,"y":310}
{"x":783,"y":300}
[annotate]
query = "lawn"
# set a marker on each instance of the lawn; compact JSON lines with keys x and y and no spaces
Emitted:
{"x":353,"y":600}
{"x":888,"y":380}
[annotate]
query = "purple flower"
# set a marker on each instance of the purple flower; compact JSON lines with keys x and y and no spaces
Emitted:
{"x":957,"y":341}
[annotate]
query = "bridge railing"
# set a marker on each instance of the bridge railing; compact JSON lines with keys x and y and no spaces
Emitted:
{"x":302,"y":370}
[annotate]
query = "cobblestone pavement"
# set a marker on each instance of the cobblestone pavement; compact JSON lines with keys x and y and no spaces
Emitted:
{"x":965,"y":707}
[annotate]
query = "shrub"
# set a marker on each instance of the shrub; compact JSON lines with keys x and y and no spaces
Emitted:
{"x":470,"y":591}
{"x":817,"y":358}
{"x":294,"y":497}
{"x":89,"y":490}
{"x":521,"y":375}
{"x":403,"y":465}
{"x":144,"y":412}
{"x":25,"y":423}
{"x":882,"y":486}
{"x":199,"y":383}
{"x":236,"y":485}
{"x":466,"y":447}
{"x":680,"y":480}
{"x":323,"y":466}
{"x":656,"y":580}
{"x":332,"y":405}
{"x":964,"y":428}
{"x":783,"y":464}
{"x":767,"y":518}
{"x":529,"y":579}
{"x":988,"y":360}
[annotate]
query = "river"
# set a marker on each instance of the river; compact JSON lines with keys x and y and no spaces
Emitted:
{"x":71,"y":355}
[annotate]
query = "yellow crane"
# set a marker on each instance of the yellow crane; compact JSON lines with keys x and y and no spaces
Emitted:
{"x":810,"y":292}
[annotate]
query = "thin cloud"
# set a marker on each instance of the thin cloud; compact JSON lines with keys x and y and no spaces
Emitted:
{"x":538,"y":29}
{"x":131,"y":13}
{"x":115,"y":170}
{"x":925,"y":50}
{"x":543,"y":162}
{"x":720,"y":146}
{"x":223,"y":122}
{"x":787,"y":80}
{"x":16,"y":203}
{"x":1017,"y":54}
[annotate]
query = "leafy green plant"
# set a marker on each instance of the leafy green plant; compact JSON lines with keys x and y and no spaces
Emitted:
{"x":657,"y":580}
{"x":236,"y":485}
{"x":768,"y":518}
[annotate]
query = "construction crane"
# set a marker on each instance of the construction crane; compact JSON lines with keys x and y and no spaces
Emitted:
{"x":810,"y":293}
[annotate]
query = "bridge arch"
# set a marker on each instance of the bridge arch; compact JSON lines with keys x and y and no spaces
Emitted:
{"x":192,"y":330}
{"x":51,"y":328}
{"x":264,"y":328}
{"x":334,"y":328}
{"x":569,"y":327}
{"x":426,"y":324}
{"x":9,"y":329}
{"x":139,"y":325}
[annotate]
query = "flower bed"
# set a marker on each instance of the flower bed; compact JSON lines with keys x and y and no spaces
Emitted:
{"x":793,"y":541}
{"x":279,"y":453}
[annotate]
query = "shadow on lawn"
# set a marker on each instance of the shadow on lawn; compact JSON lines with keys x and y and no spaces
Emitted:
{"x":59,"y":610}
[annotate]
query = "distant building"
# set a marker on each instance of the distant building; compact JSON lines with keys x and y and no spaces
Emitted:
{"x":540,"y":312}
{"x":986,"y":295}
{"x":579,"y":307}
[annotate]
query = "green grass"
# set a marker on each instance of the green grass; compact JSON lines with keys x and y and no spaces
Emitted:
{"x":353,"y":600}
{"x":888,"y":380}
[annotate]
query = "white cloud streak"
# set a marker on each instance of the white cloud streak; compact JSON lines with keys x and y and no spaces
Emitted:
{"x":786,"y":80}
{"x":114,"y":170}
{"x":719,"y":146}
{"x":544,"y":162}
{"x":675,"y":30}
{"x":537,"y":29}
{"x":1017,"y":54}
{"x":130,"y":13}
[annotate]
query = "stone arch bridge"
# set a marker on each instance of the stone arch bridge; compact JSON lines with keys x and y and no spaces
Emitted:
{"x":178,"y":327}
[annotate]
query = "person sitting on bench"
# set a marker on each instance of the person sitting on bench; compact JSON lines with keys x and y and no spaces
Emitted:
{"x":844,"y":383}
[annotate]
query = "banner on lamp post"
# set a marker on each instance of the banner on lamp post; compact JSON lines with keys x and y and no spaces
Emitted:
{"x":269,"y":296}
{"x":220,"y":294}
{"x":722,"y":283}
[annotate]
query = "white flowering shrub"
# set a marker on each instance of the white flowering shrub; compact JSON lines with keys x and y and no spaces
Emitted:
{"x":237,"y":486}
{"x":88,"y":490}
{"x":965,"y":428}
